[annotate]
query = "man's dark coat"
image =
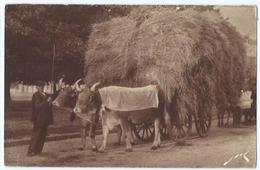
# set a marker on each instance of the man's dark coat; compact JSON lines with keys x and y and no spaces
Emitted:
{"x":41,"y":111}
{"x":41,"y":118}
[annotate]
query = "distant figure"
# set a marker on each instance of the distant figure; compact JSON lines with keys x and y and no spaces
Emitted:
{"x":45,"y":87}
{"x":30,"y":89}
{"x":49,"y":87}
{"x":61,"y":82}
{"x":25,"y":88}
{"x":58,"y":86}
{"x":41,"y":118}
{"x":20,"y":87}
{"x":34,"y":88}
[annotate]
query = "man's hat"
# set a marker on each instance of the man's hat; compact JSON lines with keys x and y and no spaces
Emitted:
{"x":40,"y":83}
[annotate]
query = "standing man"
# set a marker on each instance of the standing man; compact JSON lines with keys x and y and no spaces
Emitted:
{"x":41,"y":118}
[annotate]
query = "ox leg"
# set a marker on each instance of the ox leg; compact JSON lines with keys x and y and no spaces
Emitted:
{"x":119,"y":134}
{"x":92,"y":137}
{"x":131,"y":137}
{"x":105,"y":137}
{"x":157,"y":137}
{"x":131,"y":134}
{"x":128,"y":136}
{"x":83,"y":136}
{"x":168,"y":123}
{"x":92,"y":131}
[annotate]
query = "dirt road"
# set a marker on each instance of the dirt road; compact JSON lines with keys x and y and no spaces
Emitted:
{"x":213,"y":151}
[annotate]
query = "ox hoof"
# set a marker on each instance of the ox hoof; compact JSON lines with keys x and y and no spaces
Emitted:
{"x":94,"y":148}
{"x":154,"y":147}
{"x":129,"y":150}
{"x":101,"y":150}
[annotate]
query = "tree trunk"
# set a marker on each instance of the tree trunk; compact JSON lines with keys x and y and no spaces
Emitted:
{"x":52,"y":70}
{"x":7,"y":90}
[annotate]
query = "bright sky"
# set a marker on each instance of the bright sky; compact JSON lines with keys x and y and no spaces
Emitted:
{"x":242,"y":17}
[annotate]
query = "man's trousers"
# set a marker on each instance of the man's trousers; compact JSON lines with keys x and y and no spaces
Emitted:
{"x":37,"y":140}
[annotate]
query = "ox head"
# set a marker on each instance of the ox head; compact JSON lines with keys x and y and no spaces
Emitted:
{"x":68,"y":95}
{"x":88,"y":102}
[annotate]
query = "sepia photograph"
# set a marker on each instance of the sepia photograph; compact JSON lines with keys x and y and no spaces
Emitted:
{"x":138,"y":86}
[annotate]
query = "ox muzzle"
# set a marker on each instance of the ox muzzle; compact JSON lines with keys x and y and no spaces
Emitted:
{"x":77,"y":110}
{"x":55,"y":103}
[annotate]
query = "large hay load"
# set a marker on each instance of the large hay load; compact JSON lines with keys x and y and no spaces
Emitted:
{"x":197,"y":58}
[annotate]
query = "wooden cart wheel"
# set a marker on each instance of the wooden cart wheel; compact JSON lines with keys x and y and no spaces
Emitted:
{"x":182,"y":131}
{"x":203,"y":124}
{"x":164,"y":133}
{"x":144,"y":131}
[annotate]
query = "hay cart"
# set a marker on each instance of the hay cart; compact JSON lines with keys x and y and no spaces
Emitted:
{"x":138,"y":50}
{"x":145,"y":131}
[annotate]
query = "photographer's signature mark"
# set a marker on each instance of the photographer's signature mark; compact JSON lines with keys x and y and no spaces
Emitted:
{"x":239,"y":155}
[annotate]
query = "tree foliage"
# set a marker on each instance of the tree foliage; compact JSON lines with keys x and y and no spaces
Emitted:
{"x":32,"y":31}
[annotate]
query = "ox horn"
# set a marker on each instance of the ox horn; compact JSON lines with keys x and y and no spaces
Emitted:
{"x":77,"y":85}
{"x":93,"y":88}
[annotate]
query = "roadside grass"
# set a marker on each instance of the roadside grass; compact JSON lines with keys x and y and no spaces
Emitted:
{"x":18,"y":125}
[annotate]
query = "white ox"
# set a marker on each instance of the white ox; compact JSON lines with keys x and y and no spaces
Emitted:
{"x":119,"y":105}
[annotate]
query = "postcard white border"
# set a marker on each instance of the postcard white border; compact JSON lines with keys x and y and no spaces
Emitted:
{"x":110,"y":2}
